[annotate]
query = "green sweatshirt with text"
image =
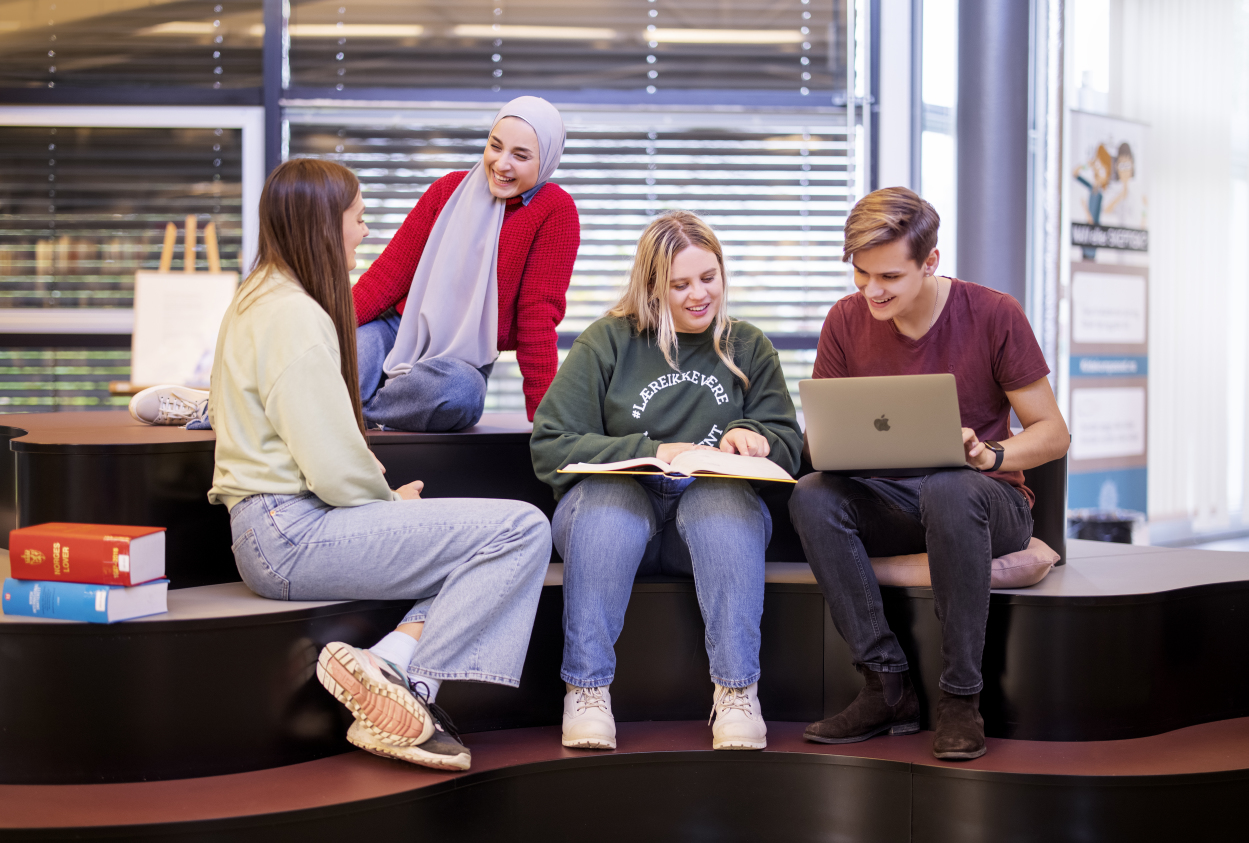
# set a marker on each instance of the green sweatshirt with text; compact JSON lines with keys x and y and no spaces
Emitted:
{"x":616,"y":398}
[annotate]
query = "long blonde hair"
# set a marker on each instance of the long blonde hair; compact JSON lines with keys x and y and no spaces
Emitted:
{"x":645,"y":300}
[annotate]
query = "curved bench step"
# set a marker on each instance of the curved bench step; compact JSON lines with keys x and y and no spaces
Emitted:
{"x":665,"y":783}
{"x":224,"y":682}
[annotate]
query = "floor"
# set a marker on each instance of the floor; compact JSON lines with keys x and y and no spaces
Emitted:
{"x":1241,"y":543}
{"x":355,"y":776}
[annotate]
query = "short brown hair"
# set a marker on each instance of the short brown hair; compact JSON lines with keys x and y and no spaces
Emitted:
{"x":890,"y":214}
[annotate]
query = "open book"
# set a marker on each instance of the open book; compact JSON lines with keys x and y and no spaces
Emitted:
{"x":691,"y":464}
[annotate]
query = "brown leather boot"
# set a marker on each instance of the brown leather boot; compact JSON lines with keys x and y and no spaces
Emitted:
{"x":960,"y":728}
{"x":887,"y":703}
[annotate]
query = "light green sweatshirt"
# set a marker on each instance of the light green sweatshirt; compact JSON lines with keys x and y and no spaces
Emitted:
{"x":279,"y":406}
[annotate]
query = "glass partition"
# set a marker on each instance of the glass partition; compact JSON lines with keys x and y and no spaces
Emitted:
{"x":774,"y":185}
{"x":42,"y":379}
{"x":641,"y":45}
{"x":212,"y":44}
{"x":81,"y":209}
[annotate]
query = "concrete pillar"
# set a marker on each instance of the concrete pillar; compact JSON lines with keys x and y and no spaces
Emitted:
{"x":992,"y":136}
{"x":273,"y":60}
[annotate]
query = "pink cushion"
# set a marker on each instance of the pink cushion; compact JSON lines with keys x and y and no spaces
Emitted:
{"x":1014,"y":570}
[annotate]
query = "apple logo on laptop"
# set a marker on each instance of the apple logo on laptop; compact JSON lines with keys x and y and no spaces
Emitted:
{"x":881,"y":423}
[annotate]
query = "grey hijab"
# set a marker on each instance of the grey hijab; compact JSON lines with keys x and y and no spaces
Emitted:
{"x":452,"y":308}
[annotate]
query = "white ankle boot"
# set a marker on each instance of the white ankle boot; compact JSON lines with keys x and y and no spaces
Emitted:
{"x":738,"y":719}
{"x":588,"y":721}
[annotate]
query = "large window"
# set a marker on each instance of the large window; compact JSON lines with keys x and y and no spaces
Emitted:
{"x":82,"y":208}
{"x":49,"y":44}
{"x":734,"y":109}
{"x":636,"y":45}
{"x":775,"y":187}
{"x":939,"y":90}
{"x":84,"y":201}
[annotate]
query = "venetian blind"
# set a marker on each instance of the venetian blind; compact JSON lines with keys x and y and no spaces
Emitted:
{"x":775,"y":184}
{"x":81,"y":209}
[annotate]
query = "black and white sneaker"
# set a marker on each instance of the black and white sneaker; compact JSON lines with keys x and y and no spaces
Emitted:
{"x":441,"y":751}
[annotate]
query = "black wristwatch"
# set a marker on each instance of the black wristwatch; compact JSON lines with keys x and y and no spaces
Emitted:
{"x":999,"y":453}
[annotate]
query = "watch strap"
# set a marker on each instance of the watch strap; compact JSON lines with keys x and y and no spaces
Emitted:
{"x":999,"y":453}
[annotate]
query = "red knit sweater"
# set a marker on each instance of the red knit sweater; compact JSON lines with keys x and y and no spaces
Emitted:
{"x":537,"y":247}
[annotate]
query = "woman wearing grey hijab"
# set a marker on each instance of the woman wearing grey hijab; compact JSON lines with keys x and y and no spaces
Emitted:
{"x":480,"y":265}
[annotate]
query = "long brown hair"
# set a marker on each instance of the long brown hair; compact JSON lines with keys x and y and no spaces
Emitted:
{"x":301,"y":235}
{"x":645,"y":300}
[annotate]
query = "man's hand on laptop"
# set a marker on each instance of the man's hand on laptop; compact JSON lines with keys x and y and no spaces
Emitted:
{"x":978,"y":456}
{"x":742,"y":440}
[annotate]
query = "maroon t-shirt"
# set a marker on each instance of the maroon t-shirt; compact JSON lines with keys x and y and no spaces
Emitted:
{"x":981,"y":336}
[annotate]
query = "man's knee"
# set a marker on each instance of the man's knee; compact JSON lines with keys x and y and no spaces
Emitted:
{"x":955,"y":495}
{"x":816,"y":497}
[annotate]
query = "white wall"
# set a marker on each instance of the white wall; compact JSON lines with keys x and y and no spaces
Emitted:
{"x":894,"y":96}
{"x":1177,"y":66}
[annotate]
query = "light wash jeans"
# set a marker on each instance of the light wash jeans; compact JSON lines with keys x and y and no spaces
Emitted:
{"x":436,"y":395}
{"x":474,"y":567}
{"x":610,"y":529}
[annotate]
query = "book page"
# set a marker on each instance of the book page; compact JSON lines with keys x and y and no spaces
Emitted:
{"x":646,"y":465}
{"x":730,"y":465}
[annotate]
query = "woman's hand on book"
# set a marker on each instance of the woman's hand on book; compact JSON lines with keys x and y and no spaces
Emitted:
{"x":743,"y":440}
{"x":411,"y":491}
{"x":668,"y":451}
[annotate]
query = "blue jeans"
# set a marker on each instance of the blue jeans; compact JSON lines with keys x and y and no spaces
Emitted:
{"x":474,"y":567}
{"x":436,"y":395}
{"x":609,"y":529}
{"x":961,"y":518}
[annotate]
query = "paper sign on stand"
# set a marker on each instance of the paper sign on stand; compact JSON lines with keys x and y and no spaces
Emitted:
{"x":177,"y":315}
{"x":1109,"y":315}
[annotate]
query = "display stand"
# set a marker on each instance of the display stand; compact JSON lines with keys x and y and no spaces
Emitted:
{"x":177,"y":315}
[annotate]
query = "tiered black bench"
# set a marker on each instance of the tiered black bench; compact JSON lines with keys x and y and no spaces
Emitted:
{"x":206,"y":723}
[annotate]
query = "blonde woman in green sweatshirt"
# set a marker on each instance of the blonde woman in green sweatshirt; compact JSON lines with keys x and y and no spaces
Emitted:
{"x":311,"y":514}
{"x":665,"y":371}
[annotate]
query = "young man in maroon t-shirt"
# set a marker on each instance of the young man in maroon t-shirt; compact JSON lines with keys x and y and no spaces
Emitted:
{"x":907,"y":320}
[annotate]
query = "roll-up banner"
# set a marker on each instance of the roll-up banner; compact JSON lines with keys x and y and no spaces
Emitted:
{"x":1109,"y":313}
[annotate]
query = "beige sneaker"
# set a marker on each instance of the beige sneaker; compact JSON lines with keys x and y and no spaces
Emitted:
{"x":376,"y":692}
{"x":441,"y":751}
{"x":738,"y":719}
{"x":588,"y":721}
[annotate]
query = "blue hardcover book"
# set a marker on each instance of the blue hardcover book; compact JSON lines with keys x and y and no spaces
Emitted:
{"x":73,"y":601}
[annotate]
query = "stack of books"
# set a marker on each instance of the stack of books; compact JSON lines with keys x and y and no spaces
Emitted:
{"x":101,"y":573}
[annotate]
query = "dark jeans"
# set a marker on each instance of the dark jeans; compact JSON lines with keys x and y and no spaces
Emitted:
{"x":963,"y":520}
{"x":436,"y":395}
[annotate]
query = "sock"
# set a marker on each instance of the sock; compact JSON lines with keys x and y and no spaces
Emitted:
{"x":432,"y":684}
{"x":396,"y":648}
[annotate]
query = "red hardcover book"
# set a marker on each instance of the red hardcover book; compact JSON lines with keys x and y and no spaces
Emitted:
{"x":107,"y":554}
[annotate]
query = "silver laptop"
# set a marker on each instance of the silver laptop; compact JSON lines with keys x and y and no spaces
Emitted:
{"x":903,"y":425}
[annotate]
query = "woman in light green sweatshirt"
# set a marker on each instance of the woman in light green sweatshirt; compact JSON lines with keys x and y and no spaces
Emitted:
{"x":311,"y":514}
{"x":665,"y":371}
